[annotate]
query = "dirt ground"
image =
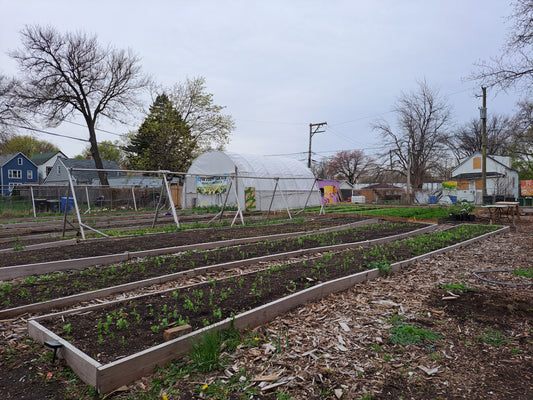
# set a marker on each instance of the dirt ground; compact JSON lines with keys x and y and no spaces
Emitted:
{"x":341,"y":347}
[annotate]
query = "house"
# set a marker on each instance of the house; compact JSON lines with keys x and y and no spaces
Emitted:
{"x":45,"y":162}
{"x":16,"y":169}
{"x":58,"y":175}
{"x":502,"y":179}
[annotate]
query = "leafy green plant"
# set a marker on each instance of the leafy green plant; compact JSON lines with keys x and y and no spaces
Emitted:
{"x":493,"y":337}
{"x":456,"y":287}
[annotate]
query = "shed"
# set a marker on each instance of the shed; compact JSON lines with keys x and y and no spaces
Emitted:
{"x":256,"y":181}
{"x":380,"y":192}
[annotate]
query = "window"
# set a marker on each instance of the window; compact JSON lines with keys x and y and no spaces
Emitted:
{"x":29,"y":174}
{"x":14,"y":174}
{"x":58,"y":169}
{"x":48,"y":169}
{"x":20,"y":160}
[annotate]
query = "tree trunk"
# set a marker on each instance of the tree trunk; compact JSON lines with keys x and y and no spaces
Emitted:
{"x":96,"y":154}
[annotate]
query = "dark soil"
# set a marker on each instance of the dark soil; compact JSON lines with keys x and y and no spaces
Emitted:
{"x":106,"y":246}
{"x":136,"y":324}
{"x":63,"y":284}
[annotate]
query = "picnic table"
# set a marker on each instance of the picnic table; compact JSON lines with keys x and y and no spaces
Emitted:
{"x":502,"y":210}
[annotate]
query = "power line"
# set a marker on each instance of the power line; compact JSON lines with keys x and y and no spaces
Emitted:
{"x":47,"y":133}
{"x":57,"y":134}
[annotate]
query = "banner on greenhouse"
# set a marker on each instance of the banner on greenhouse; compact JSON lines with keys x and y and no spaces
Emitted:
{"x":211,"y":184}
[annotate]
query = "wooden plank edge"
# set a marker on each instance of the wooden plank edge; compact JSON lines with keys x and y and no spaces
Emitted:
{"x":83,"y":365}
{"x":45,"y":245}
{"x":21,"y":271}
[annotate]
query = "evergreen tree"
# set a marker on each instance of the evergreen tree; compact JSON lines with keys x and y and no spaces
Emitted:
{"x":163,"y":141}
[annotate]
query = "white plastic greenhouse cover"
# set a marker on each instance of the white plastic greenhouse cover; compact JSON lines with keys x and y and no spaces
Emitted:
{"x":296,"y":180}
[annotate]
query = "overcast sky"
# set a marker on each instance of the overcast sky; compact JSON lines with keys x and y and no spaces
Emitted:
{"x":278,"y":66}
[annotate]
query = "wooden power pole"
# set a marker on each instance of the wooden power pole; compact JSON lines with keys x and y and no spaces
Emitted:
{"x":483,"y":116}
{"x":314,"y":128}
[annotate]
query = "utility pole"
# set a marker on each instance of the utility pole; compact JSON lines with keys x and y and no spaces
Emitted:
{"x":314,"y":128}
{"x":483,"y":116}
{"x":408,"y":183}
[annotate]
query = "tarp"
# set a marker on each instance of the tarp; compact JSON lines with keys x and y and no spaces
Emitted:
{"x":255,"y":176}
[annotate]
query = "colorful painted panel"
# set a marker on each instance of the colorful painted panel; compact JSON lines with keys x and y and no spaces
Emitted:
{"x":526,"y":188}
{"x":249,"y":198}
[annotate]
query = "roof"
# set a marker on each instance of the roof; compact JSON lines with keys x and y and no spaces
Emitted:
{"x":88,"y":176}
{"x":382,"y":186}
{"x":477,"y":175}
{"x":41,"y":158}
{"x":5,"y":158}
{"x":255,"y":170}
{"x":225,"y":162}
{"x":479,"y":154}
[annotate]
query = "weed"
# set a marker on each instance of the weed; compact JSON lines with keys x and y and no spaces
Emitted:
{"x":405,"y":334}
{"x":205,"y":355}
{"x":493,"y":337}
{"x":456,"y":287}
{"x":524,"y":273}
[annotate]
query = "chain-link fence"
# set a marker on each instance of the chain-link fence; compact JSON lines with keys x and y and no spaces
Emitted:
{"x":54,"y":199}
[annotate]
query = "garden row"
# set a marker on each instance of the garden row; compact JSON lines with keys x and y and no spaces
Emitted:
{"x":103,"y":340}
{"x":95,"y":247}
{"x":16,"y":296}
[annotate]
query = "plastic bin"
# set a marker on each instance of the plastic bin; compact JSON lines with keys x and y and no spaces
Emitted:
{"x":40,"y":205}
{"x":453,"y":199}
{"x":69,"y":204}
{"x":432,"y":199}
{"x":53,"y":205}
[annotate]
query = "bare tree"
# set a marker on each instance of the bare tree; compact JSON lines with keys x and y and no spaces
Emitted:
{"x":417,"y":143}
{"x":10,"y":117}
{"x":466,"y":140}
{"x":64,"y":74}
{"x":515,"y":65}
{"x":209,"y":127}
{"x":320,"y":168}
{"x":522,"y":142}
{"x":349,"y":165}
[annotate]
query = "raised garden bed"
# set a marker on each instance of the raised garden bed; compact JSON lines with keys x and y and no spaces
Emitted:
{"x":42,"y":293}
{"x":106,"y":246}
{"x":110,"y":333}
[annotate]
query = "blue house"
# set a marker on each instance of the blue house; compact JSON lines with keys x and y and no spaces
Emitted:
{"x":16,"y":169}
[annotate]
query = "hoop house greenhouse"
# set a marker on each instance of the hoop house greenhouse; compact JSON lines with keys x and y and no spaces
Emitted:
{"x":251,"y":181}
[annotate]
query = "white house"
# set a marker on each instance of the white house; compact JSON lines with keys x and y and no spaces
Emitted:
{"x":502,"y":179}
{"x":45,"y":162}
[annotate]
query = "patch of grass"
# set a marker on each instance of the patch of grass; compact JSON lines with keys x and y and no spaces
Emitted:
{"x":406,"y":334}
{"x":205,"y":355}
{"x":524,"y":273}
{"x":456,"y":287}
{"x":493,"y":337}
